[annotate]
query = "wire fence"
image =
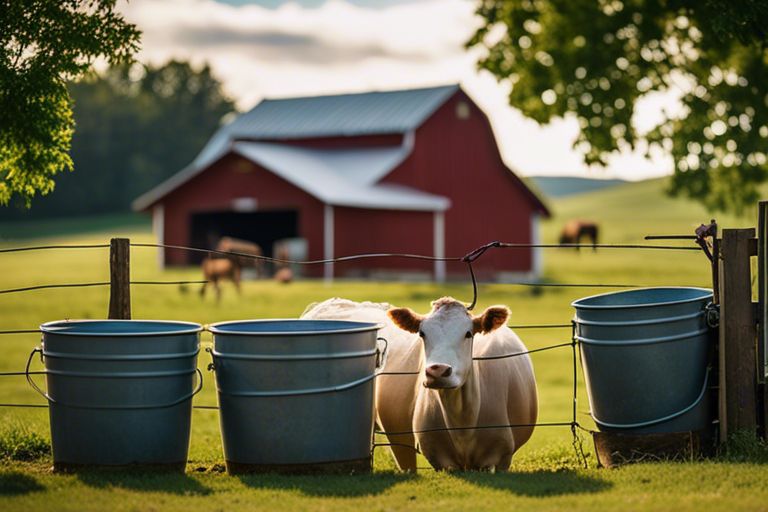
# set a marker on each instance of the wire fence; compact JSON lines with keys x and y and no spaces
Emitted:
{"x":468,"y":259}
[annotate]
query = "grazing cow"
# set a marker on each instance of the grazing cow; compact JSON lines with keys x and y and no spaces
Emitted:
{"x":283,"y":271}
{"x":449,"y":390}
{"x":229,"y":244}
{"x":575,"y":230}
{"x":284,"y":275}
{"x":217,"y":269}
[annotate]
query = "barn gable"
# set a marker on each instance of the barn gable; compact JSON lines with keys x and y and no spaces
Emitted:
{"x":371,"y":163}
{"x":346,"y":115}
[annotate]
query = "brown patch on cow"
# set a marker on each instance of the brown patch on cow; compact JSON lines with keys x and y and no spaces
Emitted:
{"x":492,"y":318}
{"x":406,"y":319}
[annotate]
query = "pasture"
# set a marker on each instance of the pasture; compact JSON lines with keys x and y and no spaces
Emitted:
{"x":545,"y":474}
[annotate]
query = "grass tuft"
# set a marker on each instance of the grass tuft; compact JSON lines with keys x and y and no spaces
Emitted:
{"x":744,"y":446}
{"x":20,"y":444}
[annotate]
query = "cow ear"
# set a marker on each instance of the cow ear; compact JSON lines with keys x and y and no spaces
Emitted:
{"x":406,"y":319}
{"x":493,"y":318}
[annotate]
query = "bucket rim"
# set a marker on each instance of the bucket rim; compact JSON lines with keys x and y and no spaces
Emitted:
{"x":184,"y":328}
{"x":220,"y":327}
{"x":578,"y":304}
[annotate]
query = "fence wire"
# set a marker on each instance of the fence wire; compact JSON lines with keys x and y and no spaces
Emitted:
{"x":47,"y":247}
{"x":468,"y":259}
{"x":87,"y":285}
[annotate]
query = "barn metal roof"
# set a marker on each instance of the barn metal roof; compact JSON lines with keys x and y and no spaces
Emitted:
{"x":330,"y":116}
{"x":339,"y":177}
{"x":343,"y":114}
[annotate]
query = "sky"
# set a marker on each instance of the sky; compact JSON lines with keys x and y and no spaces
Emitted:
{"x":282,"y":48}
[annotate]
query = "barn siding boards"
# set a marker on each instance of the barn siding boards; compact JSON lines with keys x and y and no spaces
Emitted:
{"x":360,"y":231}
{"x":488,"y":201}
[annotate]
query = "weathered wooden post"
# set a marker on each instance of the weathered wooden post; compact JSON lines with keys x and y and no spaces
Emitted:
{"x":737,"y":354}
{"x":120,"y":279}
{"x":762,"y":338}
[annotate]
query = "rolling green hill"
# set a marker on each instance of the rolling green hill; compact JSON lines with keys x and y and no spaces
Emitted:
{"x":563,"y":186}
{"x":628,"y":212}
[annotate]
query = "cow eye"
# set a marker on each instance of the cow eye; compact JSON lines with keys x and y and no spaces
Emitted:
{"x":421,"y":334}
{"x":468,"y":335}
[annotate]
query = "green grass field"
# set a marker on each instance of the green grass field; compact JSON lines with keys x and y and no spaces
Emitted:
{"x":546,"y":474}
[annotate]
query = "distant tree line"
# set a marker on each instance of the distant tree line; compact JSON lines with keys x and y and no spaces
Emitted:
{"x":135,"y":125}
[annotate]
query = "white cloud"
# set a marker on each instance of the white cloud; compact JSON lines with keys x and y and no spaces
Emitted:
{"x":339,"y":47}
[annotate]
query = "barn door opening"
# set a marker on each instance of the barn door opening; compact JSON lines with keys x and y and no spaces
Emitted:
{"x":263,"y":228}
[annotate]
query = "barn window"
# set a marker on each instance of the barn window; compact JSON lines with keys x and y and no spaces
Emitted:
{"x":462,"y":110}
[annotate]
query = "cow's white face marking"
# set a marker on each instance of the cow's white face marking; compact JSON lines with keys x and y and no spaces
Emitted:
{"x":447,"y":333}
{"x":447,"y":336}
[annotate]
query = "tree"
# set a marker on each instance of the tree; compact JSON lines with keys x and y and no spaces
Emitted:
{"x":596,"y":58}
{"x":136,"y":126}
{"x":43,"y":44}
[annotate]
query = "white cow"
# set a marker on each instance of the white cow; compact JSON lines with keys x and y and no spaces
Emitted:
{"x":450,"y":389}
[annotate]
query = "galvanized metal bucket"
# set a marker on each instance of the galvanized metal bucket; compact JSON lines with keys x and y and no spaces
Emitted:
{"x":645,"y":355}
{"x":119,"y":391}
{"x":296,"y":395}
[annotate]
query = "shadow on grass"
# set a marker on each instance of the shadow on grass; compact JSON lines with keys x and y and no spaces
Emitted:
{"x":538,"y":483}
{"x":14,"y":483}
{"x":171,"y":483}
{"x":340,"y":486}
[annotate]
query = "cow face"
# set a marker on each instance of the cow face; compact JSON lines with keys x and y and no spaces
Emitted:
{"x":447,"y":333}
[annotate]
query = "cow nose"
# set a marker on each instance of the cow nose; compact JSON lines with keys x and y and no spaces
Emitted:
{"x":439,"y":370}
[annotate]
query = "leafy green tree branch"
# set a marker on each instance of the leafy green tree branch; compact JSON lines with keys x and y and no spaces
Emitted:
{"x":596,"y":59}
{"x":43,"y":44}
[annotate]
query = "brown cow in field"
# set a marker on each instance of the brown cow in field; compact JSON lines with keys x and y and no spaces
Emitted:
{"x":450,"y":390}
{"x":236,"y":245}
{"x":221,"y":268}
{"x":218,"y":269}
{"x":574,"y":230}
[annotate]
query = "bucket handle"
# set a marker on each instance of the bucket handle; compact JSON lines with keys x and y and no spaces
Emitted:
{"x":302,"y":392}
{"x":381,"y":361}
{"x":29,"y":376}
{"x":381,"y":354}
{"x":672,"y":416}
{"x":50,"y":399}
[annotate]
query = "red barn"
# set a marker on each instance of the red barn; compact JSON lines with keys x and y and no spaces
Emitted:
{"x":414,"y":171}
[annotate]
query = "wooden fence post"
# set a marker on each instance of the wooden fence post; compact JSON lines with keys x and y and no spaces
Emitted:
{"x":120,"y":279}
{"x":762,"y":338}
{"x":737,"y":355}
